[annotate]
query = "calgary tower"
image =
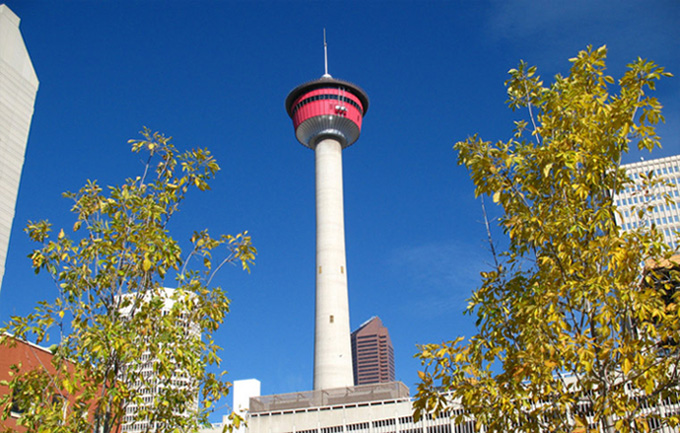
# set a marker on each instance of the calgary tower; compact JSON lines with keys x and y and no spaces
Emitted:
{"x":327,"y":115}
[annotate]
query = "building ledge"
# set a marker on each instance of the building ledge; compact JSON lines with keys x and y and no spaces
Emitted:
{"x":378,"y":393}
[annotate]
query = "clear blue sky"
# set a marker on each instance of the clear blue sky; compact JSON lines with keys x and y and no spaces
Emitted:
{"x":216,"y":73}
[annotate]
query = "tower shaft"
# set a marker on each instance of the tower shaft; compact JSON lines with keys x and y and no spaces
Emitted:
{"x":332,"y":346}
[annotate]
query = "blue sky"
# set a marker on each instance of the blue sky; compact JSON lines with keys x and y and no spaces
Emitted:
{"x":216,"y":74}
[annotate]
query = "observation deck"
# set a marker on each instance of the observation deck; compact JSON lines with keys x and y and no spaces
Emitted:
{"x":327,"y":107}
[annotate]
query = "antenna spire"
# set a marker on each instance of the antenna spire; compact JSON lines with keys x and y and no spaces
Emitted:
{"x":325,"y":56}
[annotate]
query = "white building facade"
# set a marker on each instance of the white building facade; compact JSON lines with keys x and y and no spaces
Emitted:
{"x":375,"y":408}
{"x":666,"y":216}
{"x":18,"y":87}
{"x":385,"y":408}
{"x":147,"y":384}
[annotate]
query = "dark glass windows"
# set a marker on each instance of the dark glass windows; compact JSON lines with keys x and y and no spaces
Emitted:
{"x":330,"y":96}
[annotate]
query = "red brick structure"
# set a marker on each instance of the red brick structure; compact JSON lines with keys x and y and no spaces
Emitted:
{"x":31,"y":357}
{"x":372,"y":353}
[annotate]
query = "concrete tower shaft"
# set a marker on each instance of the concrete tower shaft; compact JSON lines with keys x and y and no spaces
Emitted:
{"x":332,"y":344}
{"x":327,"y":115}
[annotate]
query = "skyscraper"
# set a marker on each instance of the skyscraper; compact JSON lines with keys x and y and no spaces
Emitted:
{"x":327,"y":114}
{"x":143,"y":378}
{"x":372,"y":353}
{"x":666,"y":216}
{"x":18,"y":87}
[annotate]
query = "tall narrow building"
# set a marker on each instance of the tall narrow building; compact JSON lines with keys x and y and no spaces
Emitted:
{"x":18,"y":87}
{"x":327,"y":115}
{"x":372,"y":353}
{"x":151,"y":388}
{"x":666,"y":216}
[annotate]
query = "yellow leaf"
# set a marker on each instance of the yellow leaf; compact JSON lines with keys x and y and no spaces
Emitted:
{"x":626,"y":366}
{"x":146,"y":265}
{"x":496,"y":196}
{"x":546,"y":169}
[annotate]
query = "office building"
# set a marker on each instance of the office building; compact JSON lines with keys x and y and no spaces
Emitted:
{"x":18,"y":87}
{"x":372,"y":353}
{"x":378,"y":408}
{"x":665,"y":215}
{"x":387,"y":408}
{"x":146,"y":382}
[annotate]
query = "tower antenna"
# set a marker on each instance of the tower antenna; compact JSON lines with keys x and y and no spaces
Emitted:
{"x":325,"y":55}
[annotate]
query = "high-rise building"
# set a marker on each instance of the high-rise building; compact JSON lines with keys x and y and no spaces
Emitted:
{"x":372,"y":353}
{"x":18,"y":87}
{"x":327,"y":114}
{"x":149,"y":389}
{"x":666,"y":216}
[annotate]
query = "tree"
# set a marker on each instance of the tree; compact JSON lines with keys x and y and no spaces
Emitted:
{"x":568,"y":331}
{"x":112,"y":313}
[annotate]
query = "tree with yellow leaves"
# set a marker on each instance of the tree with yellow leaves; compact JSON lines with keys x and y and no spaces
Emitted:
{"x":122,"y":334}
{"x":570,"y":335}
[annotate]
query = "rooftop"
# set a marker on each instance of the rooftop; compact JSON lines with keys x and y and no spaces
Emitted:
{"x":392,"y":391}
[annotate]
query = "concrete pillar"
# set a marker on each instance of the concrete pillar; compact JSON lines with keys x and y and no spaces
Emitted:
{"x":332,"y":347}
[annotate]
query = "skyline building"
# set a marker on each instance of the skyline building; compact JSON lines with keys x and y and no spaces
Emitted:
{"x":148,"y":385}
{"x":327,"y":115}
{"x":372,"y":353}
{"x":18,"y":88}
{"x":666,"y":216}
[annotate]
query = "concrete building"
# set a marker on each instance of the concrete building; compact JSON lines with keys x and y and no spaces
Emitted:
{"x":242,"y":391}
{"x":387,"y":408}
{"x":378,"y":408}
{"x":327,"y":115}
{"x":372,"y":353}
{"x":146,"y":381}
{"x":18,"y":87}
{"x":665,"y":216}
